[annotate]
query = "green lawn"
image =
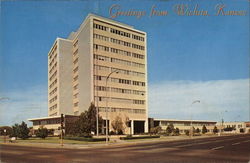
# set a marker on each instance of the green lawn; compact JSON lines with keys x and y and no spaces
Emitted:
{"x":55,"y":140}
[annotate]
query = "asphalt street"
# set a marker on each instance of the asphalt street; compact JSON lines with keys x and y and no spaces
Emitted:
{"x":224,"y":149}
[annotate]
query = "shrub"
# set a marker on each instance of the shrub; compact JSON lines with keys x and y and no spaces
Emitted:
{"x":42,"y":133}
{"x":155,"y":130}
{"x":204,"y":129}
{"x":215,"y":130}
{"x":176,"y":132}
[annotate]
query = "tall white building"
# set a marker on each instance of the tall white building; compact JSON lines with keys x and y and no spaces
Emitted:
{"x":103,"y":62}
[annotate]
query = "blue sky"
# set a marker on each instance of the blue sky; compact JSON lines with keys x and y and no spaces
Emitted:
{"x":189,"y":57}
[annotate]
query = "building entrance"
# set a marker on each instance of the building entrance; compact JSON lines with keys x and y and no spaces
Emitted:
{"x":139,"y":127}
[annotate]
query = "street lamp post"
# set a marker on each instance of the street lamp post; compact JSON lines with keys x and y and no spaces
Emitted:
{"x":222,"y":123}
{"x":191,"y":120}
{"x":114,"y":71}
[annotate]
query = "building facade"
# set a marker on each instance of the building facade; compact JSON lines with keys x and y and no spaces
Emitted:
{"x":184,"y":125}
{"x":234,"y":127}
{"x":104,"y":62}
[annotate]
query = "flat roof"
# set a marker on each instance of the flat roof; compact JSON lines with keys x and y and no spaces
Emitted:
{"x":44,"y":118}
{"x":178,"y":120}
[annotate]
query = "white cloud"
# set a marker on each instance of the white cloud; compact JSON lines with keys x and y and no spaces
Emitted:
{"x":222,"y":98}
{"x":23,"y":104}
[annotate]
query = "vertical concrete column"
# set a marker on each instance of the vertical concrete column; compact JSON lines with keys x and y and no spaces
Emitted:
{"x":132,"y":127}
{"x":146,"y":126}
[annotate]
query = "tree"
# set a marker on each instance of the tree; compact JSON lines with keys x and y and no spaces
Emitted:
{"x":15,"y":130}
{"x":117,"y":125}
{"x":23,"y":131}
{"x":42,"y":133}
{"x":170,"y":129}
{"x":8,"y":130}
{"x":87,"y":122}
{"x":197,"y":131}
{"x":215,"y":130}
{"x":176,"y":131}
{"x":204,"y":129}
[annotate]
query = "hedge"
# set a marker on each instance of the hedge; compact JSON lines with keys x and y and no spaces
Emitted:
{"x":85,"y":139}
{"x":139,"y":137}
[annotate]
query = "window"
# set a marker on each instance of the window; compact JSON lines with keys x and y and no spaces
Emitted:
{"x":76,"y":95}
{"x":76,"y":86}
{"x":76,"y":77}
{"x":101,"y":27}
{"x":118,"y":32}
{"x":76,"y":43}
{"x":75,"y":52}
{"x":76,"y":104}
{"x":75,"y":69}
{"x":75,"y":61}
{"x":138,"y":37}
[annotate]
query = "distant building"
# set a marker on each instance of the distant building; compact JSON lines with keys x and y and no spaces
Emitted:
{"x":184,"y":125}
{"x":234,"y":127}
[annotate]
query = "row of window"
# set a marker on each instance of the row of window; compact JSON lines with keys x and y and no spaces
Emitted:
{"x":120,"y":42}
{"x":76,"y":104}
{"x":48,"y":121}
{"x":75,"y":87}
{"x":119,"y":90}
{"x":138,"y":47}
{"x":75,"y":95}
{"x":118,"y":32}
{"x":53,"y":67}
{"x":166,"y":123}
{"x":138,"y":37}
{"x":126,"y":110}
{"x":53,"y":99}
{"x":118,"y":51}
{"x":75,"y":69}
{"x":75,"y":43}
{"x":121,"y":71}
{"x":101,"y":37}
{"x":53,"y":60}
{"x":101,"y":47}
{"x":53,"y":91}
{"x":121,"y":33}
{"x":75,"y":78}
{"x":129,"y":82}
{"x":52,"y":52}
{"x":53,"y":107}
{"x":101,"y":27}
{"x":53,"y":83}
{"x":121,"y":100}
{"x":119,"y":61}
{"x":75,"y":61}
{"x":128,"y":72}
{"x":75,"y":52}
{"x":53,"y":75}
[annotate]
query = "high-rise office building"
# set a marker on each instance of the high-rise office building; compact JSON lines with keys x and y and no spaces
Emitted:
{"x":104,"y":62}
